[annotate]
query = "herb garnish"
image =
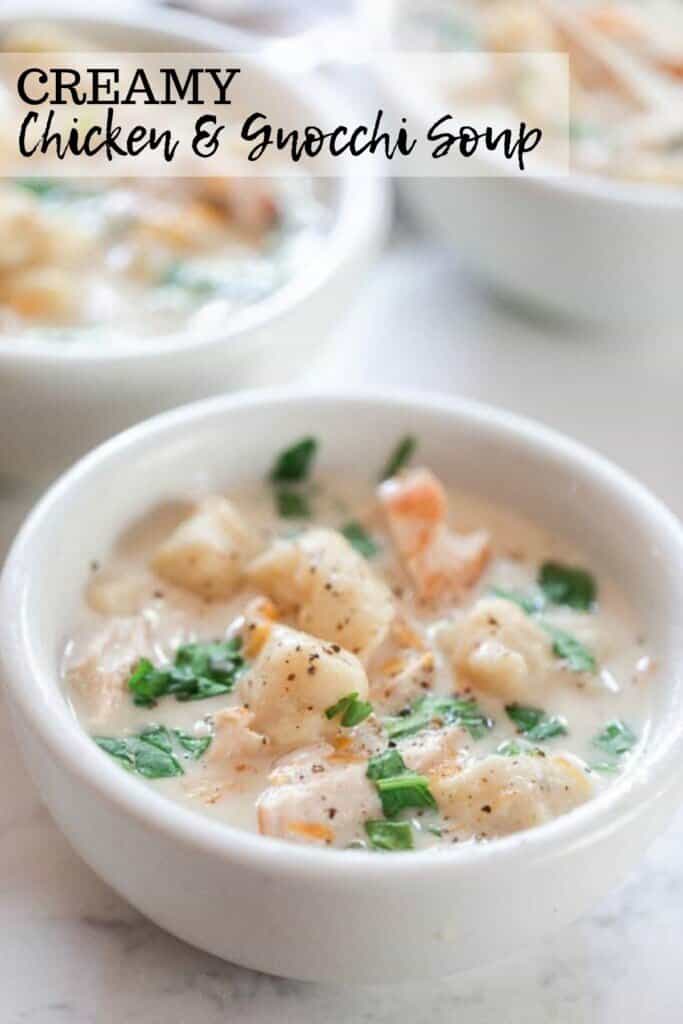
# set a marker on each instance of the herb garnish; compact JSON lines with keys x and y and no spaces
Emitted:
{"x":399,"y":457}
{"x":352,"y":710}
{"x":40,"y":186}
{"x":151,"y":753}
{"x":384,"y":765}
{"x":398,"y":792}
{"x":571,"y":650}
{"x":564,"y":584}
{"x":292,"y":504}
{"x":294,"y":464}
{"x":517,"y":746}
{"x":179,"y":275}
{"x":616,"y":738}
{"x":441,"y":710}
{"x":604,"y":767}
{"x":358,"y":537}
{"x":534,"y":724}
{"x":528,"y":603}
{"x":292,"y":467}
{"x":389,"y":835}
{"x":199,"y":671}
{"x":397,"y":786}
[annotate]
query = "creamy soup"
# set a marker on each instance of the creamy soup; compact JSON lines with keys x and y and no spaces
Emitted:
{"x":352,"y":664}
{"x":616,"y":128}
{"x":121,"y":258}
{"x":132,"y":258}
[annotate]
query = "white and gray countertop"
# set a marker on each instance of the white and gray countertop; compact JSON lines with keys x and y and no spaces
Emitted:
{"x":72,"y":951}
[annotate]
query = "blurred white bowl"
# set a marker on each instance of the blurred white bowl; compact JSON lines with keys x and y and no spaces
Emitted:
{"x":319,"y":914}
{"x":57,"y":401}
{"x":594,"y":248}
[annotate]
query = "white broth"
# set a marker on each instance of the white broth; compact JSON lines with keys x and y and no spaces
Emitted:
{"x":393,"y":667}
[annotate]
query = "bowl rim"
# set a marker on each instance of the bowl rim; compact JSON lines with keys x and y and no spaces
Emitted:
{"x":582,"y":184}
{"x":653,"y":777}
{"x":360,"y":209}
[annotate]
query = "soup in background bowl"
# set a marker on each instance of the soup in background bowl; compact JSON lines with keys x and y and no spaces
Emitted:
{"x":122,"y":298}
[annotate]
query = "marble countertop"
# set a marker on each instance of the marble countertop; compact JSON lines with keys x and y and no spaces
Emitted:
{"x":72,"y":951}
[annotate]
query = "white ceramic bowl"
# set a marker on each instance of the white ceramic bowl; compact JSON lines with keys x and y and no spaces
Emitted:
{"x":582,"y":246}
{"x":311,"y":913}
{"x":58,"y":401}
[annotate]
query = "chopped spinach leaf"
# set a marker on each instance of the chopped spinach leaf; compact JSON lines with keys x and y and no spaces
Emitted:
{"x":352,"y":710}
{"x":604,"y":767}
{"x":40,"y":186}
{"x":564,"y":584}
{"x":294,"y":464}
{"x":179,"y":275}
{"x":534,"y":723}
{"x":158,"y":736}
{"x":292,"y":504}
{"x":384,"y":765}
{"x":528,"y":603}
{"x":401,"y":454}
{"x":152,"y":753}
{"x":192,"y":745}
{"x":358,"y":537}
{"x":430,"y":709}
{"x":571,"y":650}
{"x":141,"y":754}
{"x":516,"y":747}
{"x":147,"y":683}
{"x":199,"y":671}
{"x":389,"y":835}
{"x":399,"y":792}
{"x":616,"y":738}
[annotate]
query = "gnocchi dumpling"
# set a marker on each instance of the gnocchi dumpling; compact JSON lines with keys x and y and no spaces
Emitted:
{"x":208,"y":552}
{"x":500,"y":795}
{"x":328,"y":588}
{"x":499,"y":649}
{"x":293,"y":681}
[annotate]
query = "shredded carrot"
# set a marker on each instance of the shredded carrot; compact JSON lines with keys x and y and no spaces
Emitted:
{"x":393,"y":666}
{"x":613,"y":21}
{"x":256,"y":638}
{"x":311,"y":830}
{"x":406,"y":636}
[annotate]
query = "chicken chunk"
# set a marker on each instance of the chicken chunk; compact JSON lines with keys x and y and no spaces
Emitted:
{"x":328,"y":588}
{"x":207,"y":553}
{"x":235,"y":744}
{"x":234,"y":759}
{"x":294,"y":679}
{"x":99,"y":677}
{"x":313,"y":799}
{"x":441,"y":563}
{"x":500,"y":795}
{"x":42,"y":293}
{"x":26,"y":237}
{"x":402,"y":679}
{"x":499,"y":649}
